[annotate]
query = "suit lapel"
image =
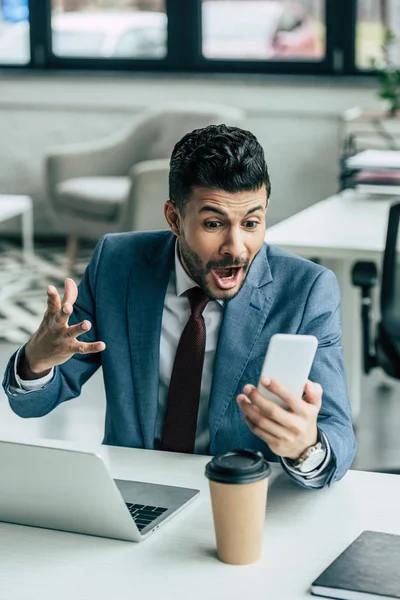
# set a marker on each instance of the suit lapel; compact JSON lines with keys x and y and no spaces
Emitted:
{"x":146,"y":294}
{"x":243,"y":321}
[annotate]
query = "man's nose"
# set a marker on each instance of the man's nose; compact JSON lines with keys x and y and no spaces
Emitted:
{"x":233,"y":244}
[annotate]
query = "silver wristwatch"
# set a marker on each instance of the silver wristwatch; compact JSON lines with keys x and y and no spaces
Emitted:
{"x":311,"y":458}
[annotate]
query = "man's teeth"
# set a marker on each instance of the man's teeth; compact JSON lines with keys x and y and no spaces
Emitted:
{"x":230,"y":276}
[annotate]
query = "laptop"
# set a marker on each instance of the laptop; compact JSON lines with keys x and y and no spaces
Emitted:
{"x":71,"y":490}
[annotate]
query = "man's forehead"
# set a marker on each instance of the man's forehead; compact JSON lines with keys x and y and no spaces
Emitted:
{"x":232,"y":200}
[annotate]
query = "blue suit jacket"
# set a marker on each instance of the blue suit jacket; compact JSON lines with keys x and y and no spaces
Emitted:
{"x":122,"y":293}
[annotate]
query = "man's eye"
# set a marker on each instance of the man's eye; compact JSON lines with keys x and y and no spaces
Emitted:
{"x":213,"y":224}
{"x":251,"y":224}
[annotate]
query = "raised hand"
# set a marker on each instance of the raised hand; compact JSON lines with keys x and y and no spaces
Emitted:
{"x":55,"y":342}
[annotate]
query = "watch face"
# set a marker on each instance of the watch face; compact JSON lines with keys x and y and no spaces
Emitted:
{"x":313,"y":461}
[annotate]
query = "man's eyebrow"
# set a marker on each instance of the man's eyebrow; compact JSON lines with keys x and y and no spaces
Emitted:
{"x":213,"y":209}
{"x":254,"y":209}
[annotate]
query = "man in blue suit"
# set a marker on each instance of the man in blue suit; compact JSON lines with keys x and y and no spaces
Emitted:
{"x":185,"y":317}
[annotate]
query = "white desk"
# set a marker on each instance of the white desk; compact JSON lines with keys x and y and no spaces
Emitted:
{"x":339,"y":231}
{"x":13,"y":206}
{"x":304,"y":531}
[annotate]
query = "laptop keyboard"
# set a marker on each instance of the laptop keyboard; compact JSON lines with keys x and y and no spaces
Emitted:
{"x":144,"y":515}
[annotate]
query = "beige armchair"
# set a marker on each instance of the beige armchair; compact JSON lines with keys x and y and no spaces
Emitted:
{"x":120,"y":183}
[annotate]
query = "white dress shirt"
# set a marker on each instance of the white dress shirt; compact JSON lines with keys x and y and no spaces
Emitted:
{"x":176,"y":314}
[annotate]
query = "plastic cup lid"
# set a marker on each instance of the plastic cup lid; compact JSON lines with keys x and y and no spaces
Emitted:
{"x":238,"y":466}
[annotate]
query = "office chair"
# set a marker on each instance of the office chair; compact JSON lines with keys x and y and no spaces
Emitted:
{"x":365,"y":275}
{"x":386,"y":353}
{"x":120,"y":183}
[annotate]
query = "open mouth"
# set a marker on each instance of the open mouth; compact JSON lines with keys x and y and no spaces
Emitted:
{"x":227,"y":277}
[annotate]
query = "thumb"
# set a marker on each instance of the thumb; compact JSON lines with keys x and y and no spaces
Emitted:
{"x":313,"y":393}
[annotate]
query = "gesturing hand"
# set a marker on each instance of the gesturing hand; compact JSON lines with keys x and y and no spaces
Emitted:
{"x":55,"y":342}
{"x":287,"y":432}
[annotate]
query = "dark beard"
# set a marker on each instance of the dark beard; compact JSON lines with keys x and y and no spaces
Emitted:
{"x":193,"y":265}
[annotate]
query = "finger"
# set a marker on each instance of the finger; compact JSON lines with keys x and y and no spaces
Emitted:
{"x":260,"y":421}
{"x":76,"y":330}
{"x":69,"y":298}
{"x":53,"y":300}
{"x":269,"y":408}
{"x":88,"y":348}
{"x":243,"y":398}
{"x":70,"y":291}
{"x":271,"y":440}
{"x":64,"y":313}
{"x":313,"y":393}
{"x":295,"y":403}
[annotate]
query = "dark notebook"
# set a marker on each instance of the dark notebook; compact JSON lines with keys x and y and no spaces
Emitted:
{"x":368,"y":569}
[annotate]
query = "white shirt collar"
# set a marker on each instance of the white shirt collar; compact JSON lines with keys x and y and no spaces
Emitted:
{"x":183,"y":281}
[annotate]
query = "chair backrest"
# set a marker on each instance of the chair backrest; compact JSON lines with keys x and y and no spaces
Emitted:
{"x":390,"y":290}
{"x":156,"y":132}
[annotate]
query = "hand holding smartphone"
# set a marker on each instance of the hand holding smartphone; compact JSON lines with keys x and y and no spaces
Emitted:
{"x":288,"y":360}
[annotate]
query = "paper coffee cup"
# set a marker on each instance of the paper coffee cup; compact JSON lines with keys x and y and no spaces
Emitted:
{"x":238,"y":487}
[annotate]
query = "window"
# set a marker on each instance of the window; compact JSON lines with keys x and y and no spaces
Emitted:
{"x":14,"y":32}
{"x":109,"y":29}
{"x":236,"y":36}
{"x":263,"y":30}
{"x":143,"y":43}
{"x":373,"y":18}
{"x":369,"y":32}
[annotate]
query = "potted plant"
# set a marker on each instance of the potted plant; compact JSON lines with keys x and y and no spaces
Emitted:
{"x":388,"y":75}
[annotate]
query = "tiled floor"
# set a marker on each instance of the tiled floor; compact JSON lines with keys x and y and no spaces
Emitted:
{"x":20,"y":311}
{"x":82,"y":419}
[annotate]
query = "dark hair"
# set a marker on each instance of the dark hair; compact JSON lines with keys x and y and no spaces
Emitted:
{"x":217,"y":157}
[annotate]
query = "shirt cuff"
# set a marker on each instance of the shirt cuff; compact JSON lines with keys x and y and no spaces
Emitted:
{"x":32,"y":384}
{"x":320,"y":470}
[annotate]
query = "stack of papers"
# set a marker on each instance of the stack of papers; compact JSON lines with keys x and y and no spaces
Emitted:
{"x":375,"y":159}
{"x":378,"y":190}
{"x":377,"y":172}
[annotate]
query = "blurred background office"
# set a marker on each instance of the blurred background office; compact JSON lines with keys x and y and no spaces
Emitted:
{"x":93,"y":96}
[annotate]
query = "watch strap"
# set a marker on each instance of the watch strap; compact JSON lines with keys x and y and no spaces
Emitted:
{"x":318,"y":471}
{"x":319,"y":445}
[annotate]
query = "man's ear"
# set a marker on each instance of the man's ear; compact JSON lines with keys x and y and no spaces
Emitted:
{"x":173,"y":217}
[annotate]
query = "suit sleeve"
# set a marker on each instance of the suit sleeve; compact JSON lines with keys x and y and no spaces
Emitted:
{"x":322,"y":318}
{"x":69,"y":377}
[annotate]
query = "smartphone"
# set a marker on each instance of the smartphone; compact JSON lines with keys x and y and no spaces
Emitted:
{"x":288,"y":360}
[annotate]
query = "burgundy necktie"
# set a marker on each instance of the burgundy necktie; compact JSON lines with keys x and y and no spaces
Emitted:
{"x":180,"y":422}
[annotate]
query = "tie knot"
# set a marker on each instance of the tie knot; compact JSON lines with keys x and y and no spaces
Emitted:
{"x":198,"y":300}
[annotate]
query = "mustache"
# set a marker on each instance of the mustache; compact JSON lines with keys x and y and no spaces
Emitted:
{"x":233,"y":262}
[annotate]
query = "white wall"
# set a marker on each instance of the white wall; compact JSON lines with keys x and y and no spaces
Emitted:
{"x":296,"y":121}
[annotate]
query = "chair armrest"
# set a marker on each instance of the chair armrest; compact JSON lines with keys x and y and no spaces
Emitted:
{"x":148,"y":194}
{"x":364,"y":274}
{"x":84,"y":159}
{"x":108,"y":156}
